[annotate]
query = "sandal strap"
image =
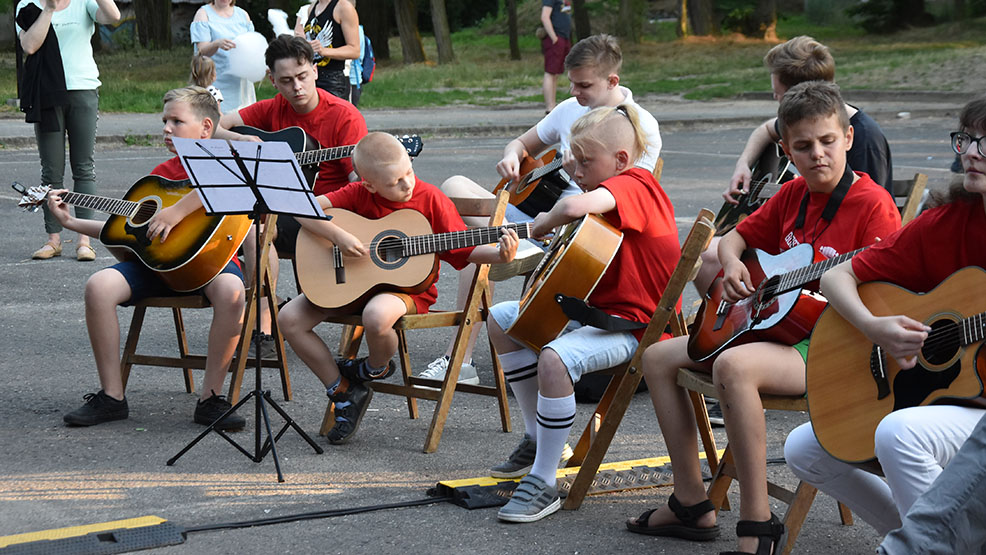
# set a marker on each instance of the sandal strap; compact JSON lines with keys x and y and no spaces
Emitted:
{"x":773,"y":528}
{"x":689,"y":515}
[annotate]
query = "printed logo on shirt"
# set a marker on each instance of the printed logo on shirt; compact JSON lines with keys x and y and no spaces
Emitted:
{"x":791,"y":240}
{"x":828,"y":252}
{"x":566,"y":6}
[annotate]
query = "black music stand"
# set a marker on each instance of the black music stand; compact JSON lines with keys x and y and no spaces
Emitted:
{"x":233,"y":177}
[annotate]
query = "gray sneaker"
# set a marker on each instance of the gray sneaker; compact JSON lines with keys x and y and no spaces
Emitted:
{"x":531,"y":501}
{"x":437,"y":368}
{"x":520,"y":461}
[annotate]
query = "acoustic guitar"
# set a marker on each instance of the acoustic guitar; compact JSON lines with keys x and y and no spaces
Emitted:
{"x":197,"y":249}
{"x":402,"y":256}
{"x":539,"y":186}
{"x":776,"y":311}
{"x":576,"y":260}
{"x":310,"y":154}
{"x":771,"y":170}
{"x":853,"y":384}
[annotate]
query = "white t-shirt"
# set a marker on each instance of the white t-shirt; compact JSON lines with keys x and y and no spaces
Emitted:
{"x":556,"y":128}
{"x":74,"y":26}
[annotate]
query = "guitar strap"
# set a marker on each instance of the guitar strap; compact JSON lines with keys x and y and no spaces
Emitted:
{"x":577,"y":310}
{"x":832,"y":206}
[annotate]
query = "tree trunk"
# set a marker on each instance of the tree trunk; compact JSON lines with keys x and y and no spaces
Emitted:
{"x":581,"y":19}
{"x":407,"y":26}
{"x":374,"y":16}
{"x":684,"y":27}
{"x":443,"y":37}
{"x":765,"y":19}
{"x":701,"y":16}
{"x":153,"y":18}
{"x":512,"y":29}
{"x":959,"y":12}
{"x":630,"y":20}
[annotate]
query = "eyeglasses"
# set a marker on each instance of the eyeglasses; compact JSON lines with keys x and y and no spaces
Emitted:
{"x":962,"y":142}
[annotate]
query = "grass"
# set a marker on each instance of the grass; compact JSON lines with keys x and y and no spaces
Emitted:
{"x":942,"y":58}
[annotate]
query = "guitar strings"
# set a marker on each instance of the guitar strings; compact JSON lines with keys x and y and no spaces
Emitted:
{"x":445,"y":237}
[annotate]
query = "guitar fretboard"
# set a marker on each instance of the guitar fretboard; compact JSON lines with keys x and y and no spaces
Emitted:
{"x":440,"y":242}
{"x":544,"y":170}
{"x":118,"y":207}
{"x":312,"y":157}
{"x":795,"y":279}
{"x":973,"y":328}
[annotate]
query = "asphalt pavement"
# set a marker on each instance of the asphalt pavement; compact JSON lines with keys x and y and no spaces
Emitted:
{"x":53,"y":476}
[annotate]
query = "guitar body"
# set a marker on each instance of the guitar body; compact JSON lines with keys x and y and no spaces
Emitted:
{"x":297,"y":139}
{"x":383,"y":270}
{"x":575,"y":262}
{"x":771,"y":170}
{"x":197,"y":249}
{"x":536,"y":191}
{"x":787,"y":318}
{"x":843,"y":378}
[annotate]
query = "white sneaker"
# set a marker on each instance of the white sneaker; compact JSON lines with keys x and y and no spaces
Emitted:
{"x":437,"y":368}
{"x":527,"y":258}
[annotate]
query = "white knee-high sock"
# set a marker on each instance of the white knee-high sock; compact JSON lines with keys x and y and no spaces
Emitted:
{"x":555,"y":418}
{"x":520,"y":368}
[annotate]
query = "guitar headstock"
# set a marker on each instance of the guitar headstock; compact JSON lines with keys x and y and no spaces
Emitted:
{"x":33,"y":198}
{"x":412,"y":143}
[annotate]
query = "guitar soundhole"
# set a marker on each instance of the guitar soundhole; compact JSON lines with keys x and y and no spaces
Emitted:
{"x":144,"y":212}
{"x":943,"y":342}
{"x":389,"y":250}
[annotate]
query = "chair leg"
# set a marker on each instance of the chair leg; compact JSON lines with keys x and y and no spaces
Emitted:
{"x":130,"y":347}
{"x":238,"y":365}
{"x":845,"y":514}
{"x":444,"y":403}
{"x":183,"y":348}
{"x":705,"y":430}
{"x":275,"y":330}
{"x":721,"y":479}
{"x":350,"y":340}
{"x":328,"y":419}
{"x":405,"y":360}
{"x":501,"y":391}
{"x":794,"y":518}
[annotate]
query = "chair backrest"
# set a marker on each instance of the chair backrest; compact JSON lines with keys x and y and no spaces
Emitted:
{"x":908,"y":194}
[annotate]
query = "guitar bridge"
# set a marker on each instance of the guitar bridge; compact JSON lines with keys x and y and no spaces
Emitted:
{"x":721,"y":313}
{"x":878,"y":367}
{"x":337,"y":263}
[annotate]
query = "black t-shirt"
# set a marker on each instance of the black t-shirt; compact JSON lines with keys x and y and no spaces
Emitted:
{"x":561,"y":18}
{"x":328,"y":32}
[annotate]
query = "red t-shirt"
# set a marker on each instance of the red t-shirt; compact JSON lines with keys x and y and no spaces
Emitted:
{"x":171,"y":169}
{"x":426,"y":199}
{"x":929,"y":249}
{"x":635,"y":279}
{"x":866,"y":214}
{"x":334,"y":122}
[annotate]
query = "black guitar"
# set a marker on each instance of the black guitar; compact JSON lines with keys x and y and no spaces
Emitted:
{"x":771,"y":170}
{"x":310,"y":154}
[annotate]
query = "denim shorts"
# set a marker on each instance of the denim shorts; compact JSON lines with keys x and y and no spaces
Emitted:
{"x":145,"y":282}
{"x":582,"y":349}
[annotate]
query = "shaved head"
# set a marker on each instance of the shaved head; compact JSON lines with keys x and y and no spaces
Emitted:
{"x":378,"y":154}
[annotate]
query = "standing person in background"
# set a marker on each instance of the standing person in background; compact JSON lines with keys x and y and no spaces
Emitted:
{"x":58,"y":95}
{"x":213,"y":29}
{"x":332,"y":28}
{"x":556,"y":20}
{"x":356,"y":70}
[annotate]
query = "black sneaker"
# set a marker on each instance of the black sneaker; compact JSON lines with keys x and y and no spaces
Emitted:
{"x":99,"y":408}
{"x":349,"y":417}
{"x":268,"y":349}
{"x":715,"y":414}
{"x":208,"y":411}
{"x":349,"y":368}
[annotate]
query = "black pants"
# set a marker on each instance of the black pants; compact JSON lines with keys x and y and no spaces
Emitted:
{"x":334,"y":82}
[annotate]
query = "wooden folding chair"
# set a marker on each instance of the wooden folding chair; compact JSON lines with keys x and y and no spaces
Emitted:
{"x":187,"y":361}
{"x":473,"y":313}
{"x":594,"y":443}
{"x":908,"y":194}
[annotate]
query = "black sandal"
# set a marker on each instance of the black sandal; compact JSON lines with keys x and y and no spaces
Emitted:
{"x":772,"y":530}
{"x":686,"y":530}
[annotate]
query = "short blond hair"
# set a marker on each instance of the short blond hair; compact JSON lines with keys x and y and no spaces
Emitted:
{"x":377,"y":150}
{"x":203,"y":71}
{"x":200,"y":100}
{"x":598,"y":51}
{"x":600,"y":126}
{"x":800,"y":59}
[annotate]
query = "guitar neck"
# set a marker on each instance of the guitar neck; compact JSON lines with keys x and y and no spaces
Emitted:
{"x":796,"y":279}
{"x":312,"y":157}
{"x":438,"y":242}
{"x":107,"y":205}
{"x":972,"y":329}
{"x":544,"y":170}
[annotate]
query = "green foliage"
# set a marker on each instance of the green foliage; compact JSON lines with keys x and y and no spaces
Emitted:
{"x":887,"y":16}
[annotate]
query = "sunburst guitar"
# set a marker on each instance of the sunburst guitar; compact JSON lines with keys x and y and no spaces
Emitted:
{"x":197,"y":249}
{"x":575,"y":262}
{"x":853,"y":384}
{"x":777,"y":310}
{"x":402,"y":256}
{"x":539,"y":186}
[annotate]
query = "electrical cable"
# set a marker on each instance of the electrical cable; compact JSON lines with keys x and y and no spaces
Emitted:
{"x":315,"y":515}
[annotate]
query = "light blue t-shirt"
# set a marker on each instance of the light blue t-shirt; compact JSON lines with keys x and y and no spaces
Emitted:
{"x":74,"y":27}
{"x":236,"y":91}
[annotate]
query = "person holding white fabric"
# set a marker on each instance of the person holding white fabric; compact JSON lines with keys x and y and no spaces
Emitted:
{"x":213,"y":29}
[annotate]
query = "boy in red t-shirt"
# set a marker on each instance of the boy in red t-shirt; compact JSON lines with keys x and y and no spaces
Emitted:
{"x":329,"y":120}
{"x":913,"y":445}
{"x":815,"y":136}
{"x":388,"y":184}
{"x":606,"y":143}
{"x":189,"y":113}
